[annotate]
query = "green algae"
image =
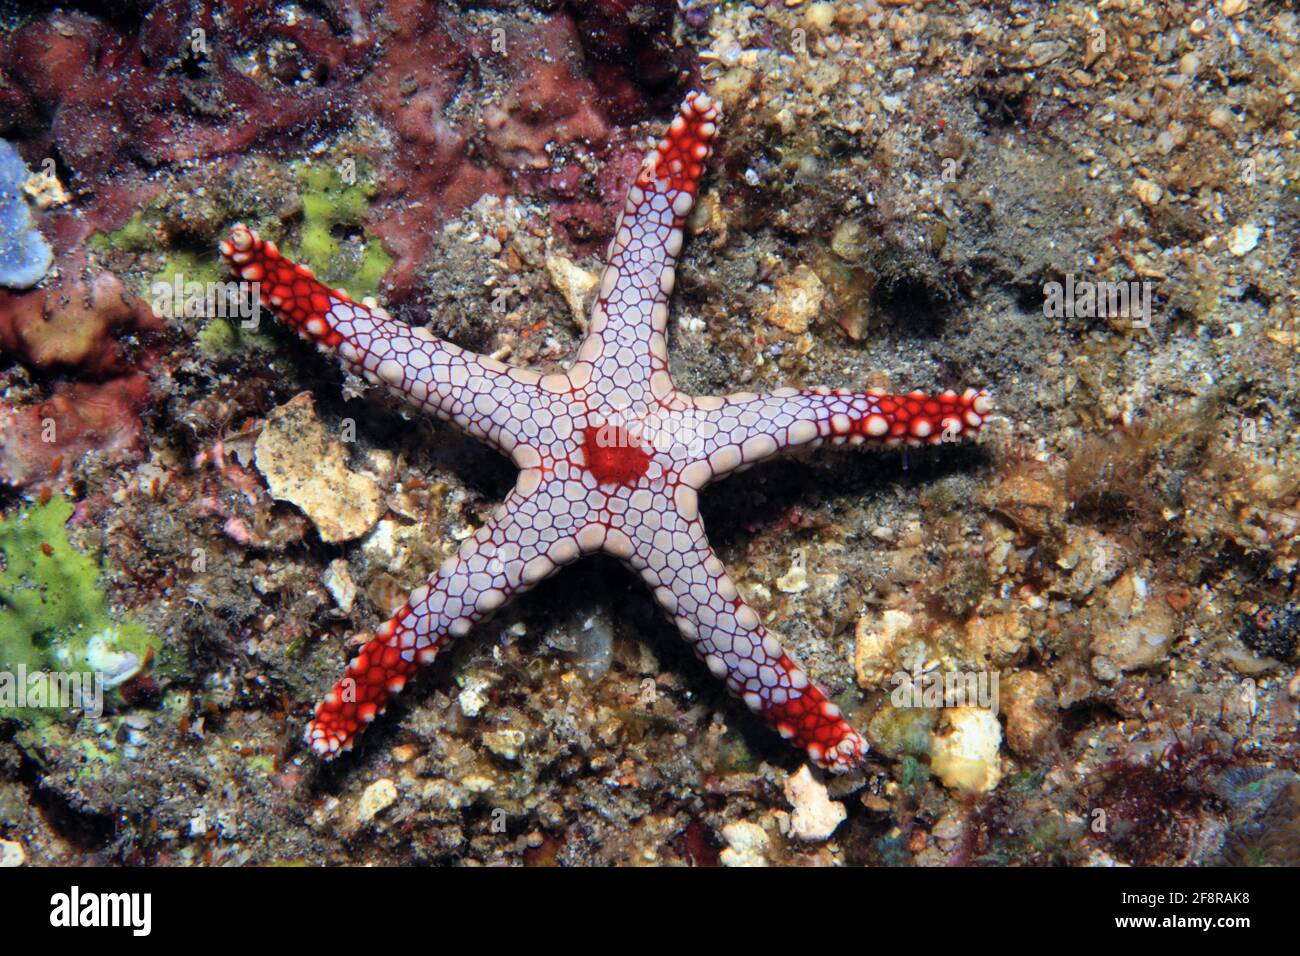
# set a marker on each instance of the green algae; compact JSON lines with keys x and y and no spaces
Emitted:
{"x":902,"y":731}
{"x":139,"y":234}
{"x":54,"y":615}
{"x":334,"y":202}
{"x":332,"y":199}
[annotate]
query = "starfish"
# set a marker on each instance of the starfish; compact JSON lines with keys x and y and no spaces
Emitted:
{"x":611,"y":458}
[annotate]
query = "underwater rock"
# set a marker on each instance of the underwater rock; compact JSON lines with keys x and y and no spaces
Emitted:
{"x":966,"y":757}
{"x":876,"y":644}
{"x":573,"y":282}
{"x":1134,"y":629}
{"x":45,"y":441}
{"x":75,"y":326}
{"x":1031,"y":713}
{"x":11,"y":854}
{"x":797,"y":300}
{"x":25,"y":256}
{"x":338,"y":581}
{"x":747,"y":845}
{"x":550,"y":103}
{"x":304,"y":465}
{"x":815,"y":815}
{"x":377,"y":798}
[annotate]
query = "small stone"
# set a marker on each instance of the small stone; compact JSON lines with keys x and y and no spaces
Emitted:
{"x":747,"y":845}
{"x":1091,"y":558}
{"x":377,"y":798}
{"x":1030,"y":712}
{"x":1242,"y":239}
{"x":875,"y":642}
{"x":478,"y":783}
{"x":1132,"y":629}
{"x":338,"y":581}
{"x":474,"y":695}
{"x":305,"y":466}
{"x":574,"y":283}
{"x":506,"y":744}
{"x":966,"y":758}
{"x":1033,"y":504}
{"x":795,"y":580}
{"x":45,"y":189}
{"x":798,"y":300}
{"x":1232,"y":8}
{"x":1221,"y":118}
{"x":1149,"y":192}
{"x":1001,"y":638}
{"x":1104,"y":669}
{"x":11,"y":854}
{"x":821,"y":15}
{"x":815,"y":815}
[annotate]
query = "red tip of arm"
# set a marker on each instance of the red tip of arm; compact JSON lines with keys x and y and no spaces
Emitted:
{"x":917,"y":418}
{"x":807,"y":719}
{"x":681,"y":154}
{"x":374,"y":675}
{"x":285,"y":287}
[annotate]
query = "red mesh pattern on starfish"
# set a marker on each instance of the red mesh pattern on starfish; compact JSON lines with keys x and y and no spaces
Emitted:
{"x":611,"y":458}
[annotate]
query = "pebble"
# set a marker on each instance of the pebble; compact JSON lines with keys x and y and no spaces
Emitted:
{"x":875,"y":640}
{"x":1242,"y":239}
{"x":506,"y":744}
{"x":1133,"y":629}
{"x":305,"y":466}
{"x":574,"y":283}
{"x":798,"y":300}
{"x":815,"y":815}
{"x":1149,"y":192}
{"x":1030,"y":713}
{"x":747,"y":845}
{"x":11,"y":854}
{"x":795,"y":580}
{"x":966,"y":757}
{"x":474,"y":696}
{"x":377,"y":798}
{"x":340,"y":585}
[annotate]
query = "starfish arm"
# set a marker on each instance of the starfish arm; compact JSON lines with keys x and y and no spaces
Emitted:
{"x":692,"y":586}
{"x":515,"y":550}
{"x":723,"y":435}
{"x":488,"y":399}
{"x":629,"y":319}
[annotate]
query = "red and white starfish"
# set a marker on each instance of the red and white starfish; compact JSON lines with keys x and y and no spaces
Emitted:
{"x":611,"y":458}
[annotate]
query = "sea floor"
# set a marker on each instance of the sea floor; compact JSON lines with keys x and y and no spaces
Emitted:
{"x":1091,"y":210}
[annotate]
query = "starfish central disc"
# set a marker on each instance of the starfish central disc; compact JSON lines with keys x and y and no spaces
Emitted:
{"x":614,"y":456}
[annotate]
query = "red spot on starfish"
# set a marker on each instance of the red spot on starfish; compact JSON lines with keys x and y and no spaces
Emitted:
{"x":614,"y":457}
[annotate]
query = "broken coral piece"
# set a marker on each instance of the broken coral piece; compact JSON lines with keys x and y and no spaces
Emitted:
{"x":304,"y":465}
